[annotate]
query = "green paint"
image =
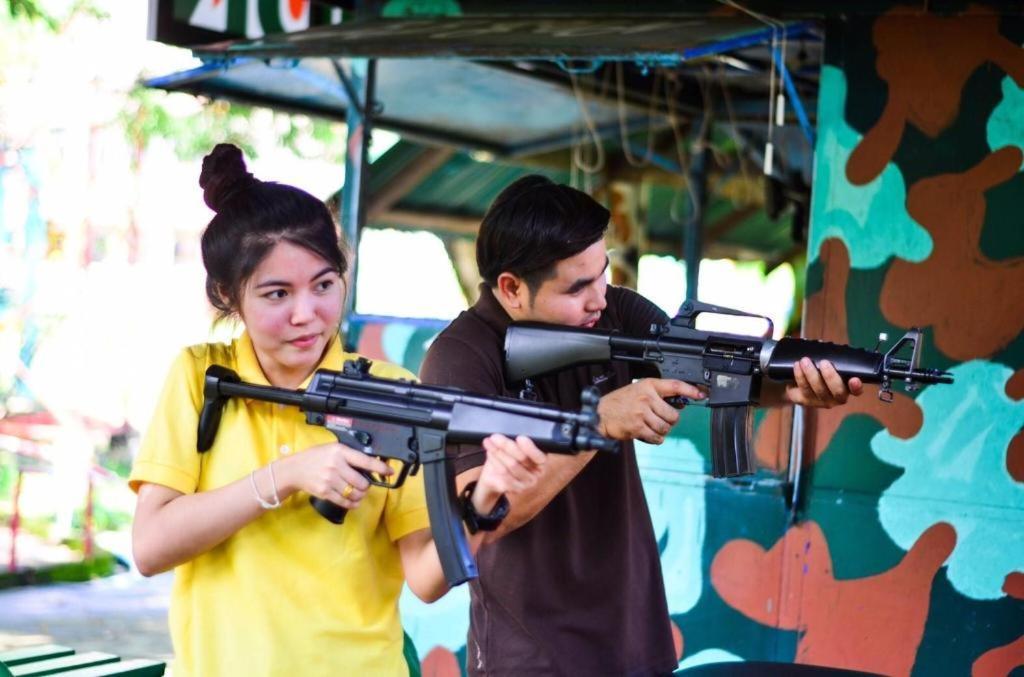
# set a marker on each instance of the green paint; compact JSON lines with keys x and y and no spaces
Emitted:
{"x":857,"y":542}
{"x":960,"y":146}
{"x":397,"y":9}
{"x":757,"y":514}
{"x":960,"y":629}
{"x":183,"y":9}
{"x":1002,"y":237}
{"x":871,"y":220}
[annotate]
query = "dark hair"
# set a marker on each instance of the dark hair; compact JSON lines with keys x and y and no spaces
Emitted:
{"x":532,"y":225}
{"x":253,"y":216}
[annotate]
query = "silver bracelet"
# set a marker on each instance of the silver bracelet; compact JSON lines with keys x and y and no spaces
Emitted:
{"x":266,"y":505}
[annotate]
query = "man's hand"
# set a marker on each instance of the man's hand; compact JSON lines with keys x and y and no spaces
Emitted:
{"x":511,"y":466}
{"x":820,"y":386}
{"x":639,"y":411}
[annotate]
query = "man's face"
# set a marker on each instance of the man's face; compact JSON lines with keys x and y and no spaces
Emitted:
{"x":575,"y":296}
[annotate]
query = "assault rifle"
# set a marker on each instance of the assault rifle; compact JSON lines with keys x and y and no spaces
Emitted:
{"x":397,"y":420}
{"x":731,"y":366}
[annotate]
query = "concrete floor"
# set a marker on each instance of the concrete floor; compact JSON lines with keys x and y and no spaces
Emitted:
{"x":124,"y":614}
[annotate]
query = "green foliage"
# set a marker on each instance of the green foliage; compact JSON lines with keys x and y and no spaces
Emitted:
{"x":100,"y":565}
{"x":8,"y":474}
{"x":35,"y":11}
{"x":103,"y":519}
{"x":145,"y":117}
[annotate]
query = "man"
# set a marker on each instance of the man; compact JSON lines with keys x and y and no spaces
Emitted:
{"x":570,"y":582}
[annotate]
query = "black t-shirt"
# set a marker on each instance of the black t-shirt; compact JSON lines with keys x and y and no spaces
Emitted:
{"x":578,"y":589}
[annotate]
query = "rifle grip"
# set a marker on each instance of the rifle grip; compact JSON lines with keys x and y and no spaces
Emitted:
{"x":332,"y":512}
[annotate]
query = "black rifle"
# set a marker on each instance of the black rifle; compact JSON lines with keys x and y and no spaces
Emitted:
{"x":410,"y":423}
{"x":730,"y":365}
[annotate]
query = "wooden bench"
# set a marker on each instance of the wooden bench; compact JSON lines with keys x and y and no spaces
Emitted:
{"x":54,"y":659}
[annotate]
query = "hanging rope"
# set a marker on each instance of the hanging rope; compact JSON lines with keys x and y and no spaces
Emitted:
{"x":627,"y":152}
{"x":777,"y":28}
{"x":578,"y":155}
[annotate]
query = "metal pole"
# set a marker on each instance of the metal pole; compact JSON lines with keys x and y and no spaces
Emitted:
{"x":15,"y":522}
{"x":693,"y":234}
{"x":353,"y":195}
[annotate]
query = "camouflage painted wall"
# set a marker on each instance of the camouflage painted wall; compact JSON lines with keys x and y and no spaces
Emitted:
{"x":907,"y":556}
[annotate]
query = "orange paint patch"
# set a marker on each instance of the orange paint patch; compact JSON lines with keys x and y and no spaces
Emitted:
{"x":677,"y":640}
{"x":1000,"y":661}
{"x":926,"y":60}
{"x":297,"y":7}
{"x":1013,"y":585}
{"x":371,"y":343}
{"x":838,"y":621}
{"x":440,"y":662}
{"x":964,"y":296}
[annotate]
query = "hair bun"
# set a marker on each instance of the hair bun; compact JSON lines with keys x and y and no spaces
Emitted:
{"x":223,"y":175}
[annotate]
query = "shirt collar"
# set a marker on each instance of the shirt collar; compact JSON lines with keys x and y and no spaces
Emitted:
{"x":490,"y":310}
{"x":249,"y":369}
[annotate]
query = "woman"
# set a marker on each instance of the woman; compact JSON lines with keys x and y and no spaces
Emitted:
{"x":263,"y":584}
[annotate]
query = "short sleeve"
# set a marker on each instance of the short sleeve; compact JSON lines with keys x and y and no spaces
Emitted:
{"x":453,"y":363}
{"x":637,"y":313}
{"x":168,"y":454}
{"x":406,"y":508}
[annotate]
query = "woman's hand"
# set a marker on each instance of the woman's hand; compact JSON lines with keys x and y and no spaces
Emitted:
{"x":330,"y":471}
{"x":511,"y":466}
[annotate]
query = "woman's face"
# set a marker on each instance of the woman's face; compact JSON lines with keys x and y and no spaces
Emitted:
{"x":291,"y":306}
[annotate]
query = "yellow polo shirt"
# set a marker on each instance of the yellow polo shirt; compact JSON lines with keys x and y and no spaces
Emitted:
{"x":290,"y":593}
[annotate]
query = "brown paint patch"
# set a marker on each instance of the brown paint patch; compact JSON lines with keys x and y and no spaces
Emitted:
{"x":771,"y":440}
{"x":826,"y":308}
{"x":826,"y":320}
{"x":972,"y":302}
{"x":1015,"y":457}
{"x":1015,"y":386}
{"x":677,"y":640}
{"x":926,"y":61}
{"x":838,"y":621}
{"x":901,"y":417}
{"x":440,"y":662}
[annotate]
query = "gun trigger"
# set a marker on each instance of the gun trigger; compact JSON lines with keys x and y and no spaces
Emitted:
{"x":677,"y":401}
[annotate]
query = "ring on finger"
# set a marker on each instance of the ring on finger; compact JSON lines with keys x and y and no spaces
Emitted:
{"x":347,"y":491}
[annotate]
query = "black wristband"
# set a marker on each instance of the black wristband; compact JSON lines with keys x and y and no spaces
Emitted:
{"x":475,"y":521}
